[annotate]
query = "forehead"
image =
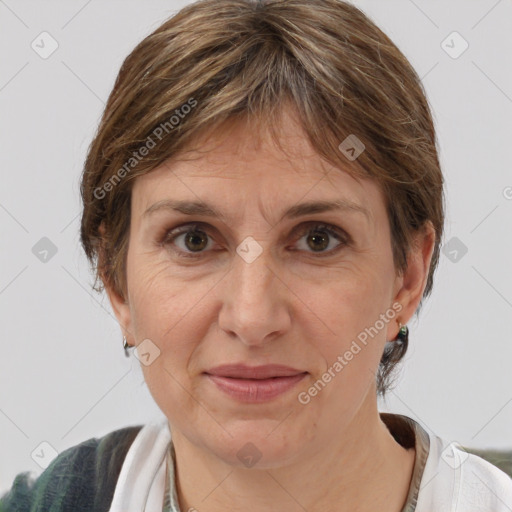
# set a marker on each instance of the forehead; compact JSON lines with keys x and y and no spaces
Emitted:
{"x":237,"y":165}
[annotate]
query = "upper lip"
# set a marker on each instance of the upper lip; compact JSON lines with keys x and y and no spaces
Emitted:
{"x":254,"y":372}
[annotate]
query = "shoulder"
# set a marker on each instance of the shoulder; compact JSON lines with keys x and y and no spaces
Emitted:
{"x":80,"y":478}
{"x":455,"y":479}
{"x":483,"y":485}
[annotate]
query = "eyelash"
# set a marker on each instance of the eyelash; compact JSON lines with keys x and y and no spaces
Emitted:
{"x":170,"y":236}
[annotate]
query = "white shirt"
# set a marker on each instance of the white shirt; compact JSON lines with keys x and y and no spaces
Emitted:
{"x":445,"y":477}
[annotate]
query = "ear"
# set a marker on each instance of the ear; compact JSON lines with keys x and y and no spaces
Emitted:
{"x":120,"y":304}
{"x":409,"y":286}
{"x":121,"y":308}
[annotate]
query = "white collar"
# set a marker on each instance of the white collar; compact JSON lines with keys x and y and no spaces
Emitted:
{"x":142,"y":481}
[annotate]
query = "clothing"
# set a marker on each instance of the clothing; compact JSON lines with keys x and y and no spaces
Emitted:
{"x":80,"y":479}
{"x":133,"y":469}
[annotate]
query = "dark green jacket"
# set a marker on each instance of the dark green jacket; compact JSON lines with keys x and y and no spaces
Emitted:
{"x":82,"y":478}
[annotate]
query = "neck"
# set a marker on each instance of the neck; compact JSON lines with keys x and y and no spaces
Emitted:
{"x":364,"y":469}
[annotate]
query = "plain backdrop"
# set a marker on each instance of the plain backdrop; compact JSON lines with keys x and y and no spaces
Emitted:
{"x":63,"y":374}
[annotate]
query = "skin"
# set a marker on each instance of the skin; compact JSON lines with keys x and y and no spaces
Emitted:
{"x":292,"y":305}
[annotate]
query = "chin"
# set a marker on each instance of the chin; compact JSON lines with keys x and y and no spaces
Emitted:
{"x":255,"y":445}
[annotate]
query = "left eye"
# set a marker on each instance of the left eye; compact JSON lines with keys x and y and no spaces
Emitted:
{"x":320,"y":238}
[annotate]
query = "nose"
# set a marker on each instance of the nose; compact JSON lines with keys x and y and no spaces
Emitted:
{"x":255,"y":302}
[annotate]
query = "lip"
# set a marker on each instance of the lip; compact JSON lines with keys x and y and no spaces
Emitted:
{"x":254,"y":384}
{"x":243,"y":371}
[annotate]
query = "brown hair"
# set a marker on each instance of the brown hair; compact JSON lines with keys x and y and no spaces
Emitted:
{"x":219,"y":60}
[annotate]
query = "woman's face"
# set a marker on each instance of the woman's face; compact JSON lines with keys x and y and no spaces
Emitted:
{"x":300,"y":292}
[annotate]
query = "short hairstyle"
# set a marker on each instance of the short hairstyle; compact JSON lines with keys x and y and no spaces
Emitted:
{"x":221,"y":60}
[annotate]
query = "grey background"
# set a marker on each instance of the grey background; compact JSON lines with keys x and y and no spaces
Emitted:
{"x":63,"y":374}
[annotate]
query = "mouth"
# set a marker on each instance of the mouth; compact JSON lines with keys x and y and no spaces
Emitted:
{"x":254,"y":384}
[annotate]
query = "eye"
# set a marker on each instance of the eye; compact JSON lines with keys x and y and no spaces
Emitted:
{"x":190,"y":240}
{"x":321,"y":238}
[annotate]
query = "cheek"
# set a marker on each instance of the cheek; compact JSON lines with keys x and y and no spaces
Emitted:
{"x":174,"y":313}
{"x":165,"y":310}
{"x":349,"y":301}
{"x":158,"y":296}
{"x":342,"y":328}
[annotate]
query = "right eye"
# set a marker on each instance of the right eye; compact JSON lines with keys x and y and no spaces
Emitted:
{"x":191,"y":240}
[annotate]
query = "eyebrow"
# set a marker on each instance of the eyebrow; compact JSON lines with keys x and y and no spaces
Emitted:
{"x":308,"y":208}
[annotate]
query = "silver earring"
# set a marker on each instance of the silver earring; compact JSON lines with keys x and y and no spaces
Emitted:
{"x":126,"y":347}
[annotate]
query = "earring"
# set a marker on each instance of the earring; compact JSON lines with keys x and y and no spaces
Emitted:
{"x":403,"y":334}
{"x":126,"y":346}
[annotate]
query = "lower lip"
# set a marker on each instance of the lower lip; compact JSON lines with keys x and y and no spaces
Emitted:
{"x":255,"y":390}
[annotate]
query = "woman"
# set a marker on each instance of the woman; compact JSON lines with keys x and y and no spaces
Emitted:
{"x":263,"y":204}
